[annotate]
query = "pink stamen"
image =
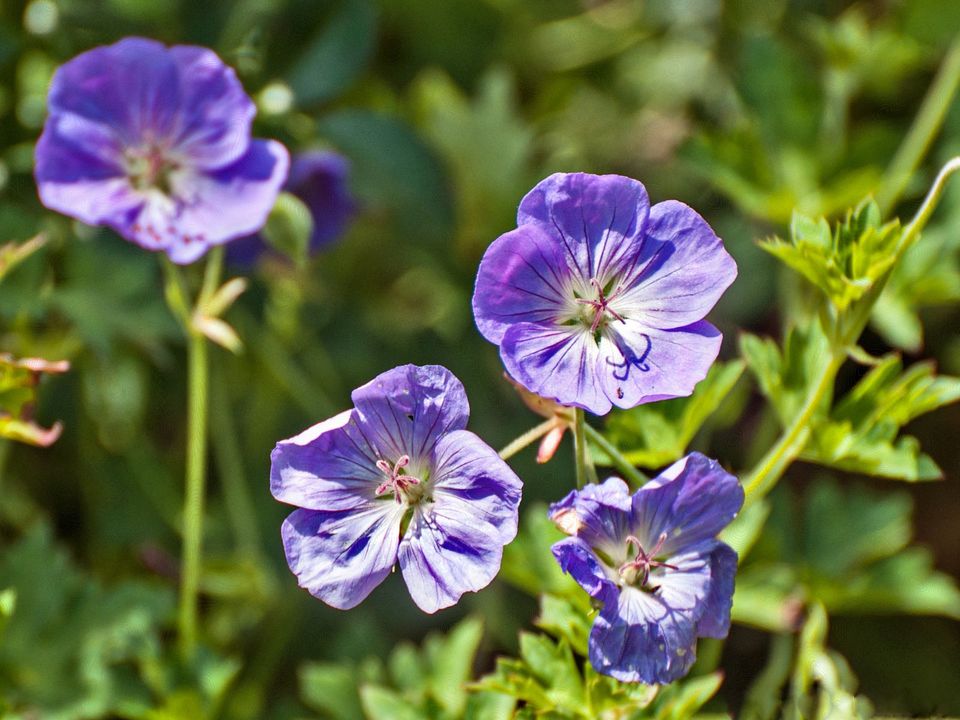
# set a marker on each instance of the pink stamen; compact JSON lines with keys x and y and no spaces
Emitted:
{"x":644,"y":561}
{"x":601,"y":304}
{"x":396,"y":481}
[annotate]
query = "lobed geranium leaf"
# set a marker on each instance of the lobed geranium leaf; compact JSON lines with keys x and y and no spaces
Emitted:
{"x":656,"y":434}
{"x":861,"y":433}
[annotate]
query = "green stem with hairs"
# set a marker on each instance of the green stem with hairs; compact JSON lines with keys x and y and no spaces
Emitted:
{"x":620,"y":462}
{"x":528,"y":438}
{"x":586,"y":472}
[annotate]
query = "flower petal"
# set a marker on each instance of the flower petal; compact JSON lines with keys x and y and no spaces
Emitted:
{"x":331,"y":466}
{"x":213,"y":128}
{"x":341,"y":557}
{"x":131,"y":87}
{"x":645,"y":364}
{"x":715,"y":620}
{"x":641,"y":638}
{"x":600,"y":515}
{"x":212,"y":208}
{"x":681,"y":271}
{"x":523,"y":277}
{"x":561,"y":363}
{"x":444,"y":554}
{"x":597,"y":219}
{"x":79,"y":172}
{"x":700,"y":500}
{"x":470,"y":480}
{"x":577,"y":559}
{"x":407,"y":409}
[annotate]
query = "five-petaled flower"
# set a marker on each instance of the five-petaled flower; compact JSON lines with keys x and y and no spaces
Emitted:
{"x":396,"y":478}
{"x":155,"y":143}
{"x":597,"y":299}
{"x":653,"y":561}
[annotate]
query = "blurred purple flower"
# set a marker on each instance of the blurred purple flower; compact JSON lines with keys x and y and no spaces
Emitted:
{"x":654,"y":563}
{"x":154,"y":142}
{"x":396,"y":478}
{"x":320,"y":179}
{"x":597,"y":299}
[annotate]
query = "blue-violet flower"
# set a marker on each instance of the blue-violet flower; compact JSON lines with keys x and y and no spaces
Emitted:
{"x":653,"y":561}
{"x":596,"y":299}
{"x":396,"y":478}
{"x":154,"y":142}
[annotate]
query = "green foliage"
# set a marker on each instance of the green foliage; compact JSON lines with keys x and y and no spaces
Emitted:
{"x":656,"y":434}
{"x":848,"y":549}
{"x":422,"y":684}
{"x":784,"y":377}
{"x":72,"y":649}
{"x":846,"y":262}
{"x":336,"y":54}
{"x":527,"y":561}
{"x":288,"y":228}
{"x":860,"y":434}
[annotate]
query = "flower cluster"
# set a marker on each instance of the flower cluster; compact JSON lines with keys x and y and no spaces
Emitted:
{"x":596,"y":299}
{"x":155,"y":143}
{"x":653,"y":561}
{"x":397,"y":478}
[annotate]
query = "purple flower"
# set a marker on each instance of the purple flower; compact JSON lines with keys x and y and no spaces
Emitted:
{"x":154,"y":142}
{"x":597,"y":299}
{"x":319,"y":179}
{"x":654,"y":562}
{"x":396,"y":478}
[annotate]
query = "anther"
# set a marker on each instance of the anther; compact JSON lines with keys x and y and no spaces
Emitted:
{"x":601,"y":304}
{"x":396,"y":481}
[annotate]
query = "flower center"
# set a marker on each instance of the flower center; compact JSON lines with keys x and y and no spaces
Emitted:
{"x":637,"y":571}
{"x":404,"y":486}
{"x":601,"y":305}
{"x":150,"y":168}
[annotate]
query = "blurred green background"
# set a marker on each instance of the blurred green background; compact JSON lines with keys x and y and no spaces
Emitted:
{"x":448,"y":111}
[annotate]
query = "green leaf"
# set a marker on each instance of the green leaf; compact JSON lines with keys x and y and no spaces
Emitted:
{"x":383,"y":704}
{"x":861,"y":433}
{"x":73,"y":649}
{"x":846,"y":263}
{"x":337,"y":54}
{"x":785,"y":378}
{"x":847,"y":548}
{"x":682,"y":700}
{"x":450,"y":659}
{"x":489,"y":706}
{"x":656,"y":434}
{"x":331,"y":689}
{"x":13,"y":253}
{"x":567,"y":619}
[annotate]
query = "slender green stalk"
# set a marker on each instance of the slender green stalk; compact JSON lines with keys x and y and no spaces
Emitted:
{"x":586,"y":472}
{"x":626,"y":468}
{"x":197,"y":392}
{"x":791,"y":443}
{"x":528,"y":438}
{"x":197,"y":412}
{"x":925,"y":127}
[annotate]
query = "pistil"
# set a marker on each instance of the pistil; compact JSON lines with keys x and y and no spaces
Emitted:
{"x":397,"y":481}
{"x":637,"y":571}
{"x":601,"y":305}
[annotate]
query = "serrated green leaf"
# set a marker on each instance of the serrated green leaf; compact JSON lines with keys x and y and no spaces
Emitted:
{"x":489,"y":706}
{"x":528,"y":563}
{"x":554,"y":666}
{"x":656,"y":434}
{"x":451,"y":664}
{"x":682,"y":700}
{"x":566,"y":618}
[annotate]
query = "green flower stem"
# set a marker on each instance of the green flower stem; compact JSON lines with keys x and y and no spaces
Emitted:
{"x":791,"y":443}
{"x":620,"y":462}
{"x":528,"y":438}
{"x":197,"y":412}
{"x":586,"y":472}
{"x":923,"y":131}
